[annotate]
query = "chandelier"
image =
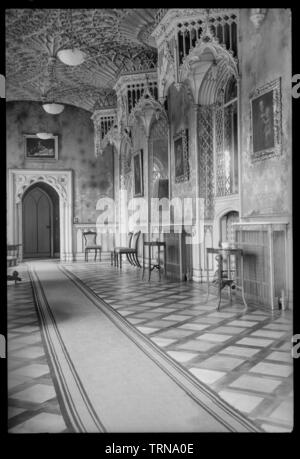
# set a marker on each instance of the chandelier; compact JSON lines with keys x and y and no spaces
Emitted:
{"x":71,"y":56}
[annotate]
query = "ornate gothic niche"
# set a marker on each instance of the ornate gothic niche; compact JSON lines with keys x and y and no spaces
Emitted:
{"x":146,"y":110}
{"x":209,"y":61}
{"x":130,"y":88}
{"x":104,"y":120}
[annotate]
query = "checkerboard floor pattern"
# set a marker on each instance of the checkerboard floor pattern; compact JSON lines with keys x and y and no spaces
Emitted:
{"x":244,"y":356}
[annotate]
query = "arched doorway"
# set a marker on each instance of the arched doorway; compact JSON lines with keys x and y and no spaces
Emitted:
{"x":40,"y":205}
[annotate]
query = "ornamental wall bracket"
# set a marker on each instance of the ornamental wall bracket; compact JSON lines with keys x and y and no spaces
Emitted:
{"x":257,"y":15}
{"x":112,"y":137}
{"x":167,"y":69}
{"x":103,"y":121}
{"x":146,"y":110}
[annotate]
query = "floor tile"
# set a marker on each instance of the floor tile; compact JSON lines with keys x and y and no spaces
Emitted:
{"x":30,"y":352}
{"x":176,"y":333}
{"x":221,"y":362}
{"x":207,"y":376}
{"x":33,"y":371}
{"x":195,"y":327}
{"x":38,"y":393}
{"x":197,"y":345}
{"x":213,"y":337}
{"x":268,"y":333}
{"x":14,"y":411}
{"x":147,"y":330}
{"x":276,"y":429}
{"x":272,"y":369}
{"x":255,"y":342}
{"x":163,"y":342}
{"x":182,"y":356}
{"x":41,"y":423}
{"x":242,"y":323}
{"x":284,"y":412}
{"x":240,"y":351}
{"x":253,"y":383}
{"x":228,"y":329}
{"x":243,"y":402}
{"x":280,"y":356}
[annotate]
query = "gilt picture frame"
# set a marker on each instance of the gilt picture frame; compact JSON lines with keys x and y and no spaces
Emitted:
{"x":265,"y":119}
{"x":138,"y":184}
{"x":40,"y":149}
{"x":181,"y":156}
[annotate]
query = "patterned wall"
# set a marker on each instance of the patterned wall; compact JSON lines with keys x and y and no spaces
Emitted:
{"x":93,"y":177}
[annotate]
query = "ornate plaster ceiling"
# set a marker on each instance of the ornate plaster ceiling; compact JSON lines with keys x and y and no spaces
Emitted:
{"x":114,"y":41}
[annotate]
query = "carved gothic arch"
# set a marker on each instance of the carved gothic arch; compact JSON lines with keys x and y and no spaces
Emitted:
{"x":147,"y":110}
{"x":19,"y":181}
{"x":214,"y":81}
{"x":206,"y":68}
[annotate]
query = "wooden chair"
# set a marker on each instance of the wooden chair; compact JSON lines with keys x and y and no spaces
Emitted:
{"x":12,"y":260}
{"x":12,"y":254}
{"x":130,"y":251}
{"x":90,"y":244}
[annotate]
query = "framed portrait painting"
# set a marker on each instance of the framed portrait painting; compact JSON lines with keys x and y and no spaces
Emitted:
{"x":181,"y":156}
{"x":40,"y":149}
{"x":138,"y":173}
{"x":265,"y":104}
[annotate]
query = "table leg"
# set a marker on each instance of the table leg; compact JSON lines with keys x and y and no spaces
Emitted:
{"x":165,"y":260}
{"x":159,"y":266}
{"x":143,"y":261}
{"x":220,"y":279}
{"x":242,"y":281}
{"x":207,"y":277}
{"x":149,"y":261}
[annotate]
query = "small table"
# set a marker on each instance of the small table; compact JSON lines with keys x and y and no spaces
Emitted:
{"x":226,"y":280}
{"x":157,"y":244}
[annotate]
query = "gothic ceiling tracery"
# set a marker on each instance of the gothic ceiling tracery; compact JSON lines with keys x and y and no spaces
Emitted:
{"x":113,"y":40}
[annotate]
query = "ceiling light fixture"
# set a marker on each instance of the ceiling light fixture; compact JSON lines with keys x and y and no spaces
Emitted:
{"x":73,"y":55}
{"x":44,"y":135}
{"x":52,"y":108}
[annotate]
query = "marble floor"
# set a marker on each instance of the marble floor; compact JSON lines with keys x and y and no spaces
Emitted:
{"x":244,"y":356}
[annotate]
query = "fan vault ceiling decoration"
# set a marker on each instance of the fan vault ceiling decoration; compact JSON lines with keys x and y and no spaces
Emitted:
{"x":114,"y":41}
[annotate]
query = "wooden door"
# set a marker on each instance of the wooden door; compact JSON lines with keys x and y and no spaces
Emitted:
{"x":37,"y":222}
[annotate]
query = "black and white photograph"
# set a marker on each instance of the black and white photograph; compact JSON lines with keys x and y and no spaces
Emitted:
{"x":149,"y":242}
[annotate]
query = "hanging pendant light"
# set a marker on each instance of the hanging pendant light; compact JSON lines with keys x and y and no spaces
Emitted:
{"x":44,"y":135}
{"x":53,"y":108}
{"x":71,"y":56}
